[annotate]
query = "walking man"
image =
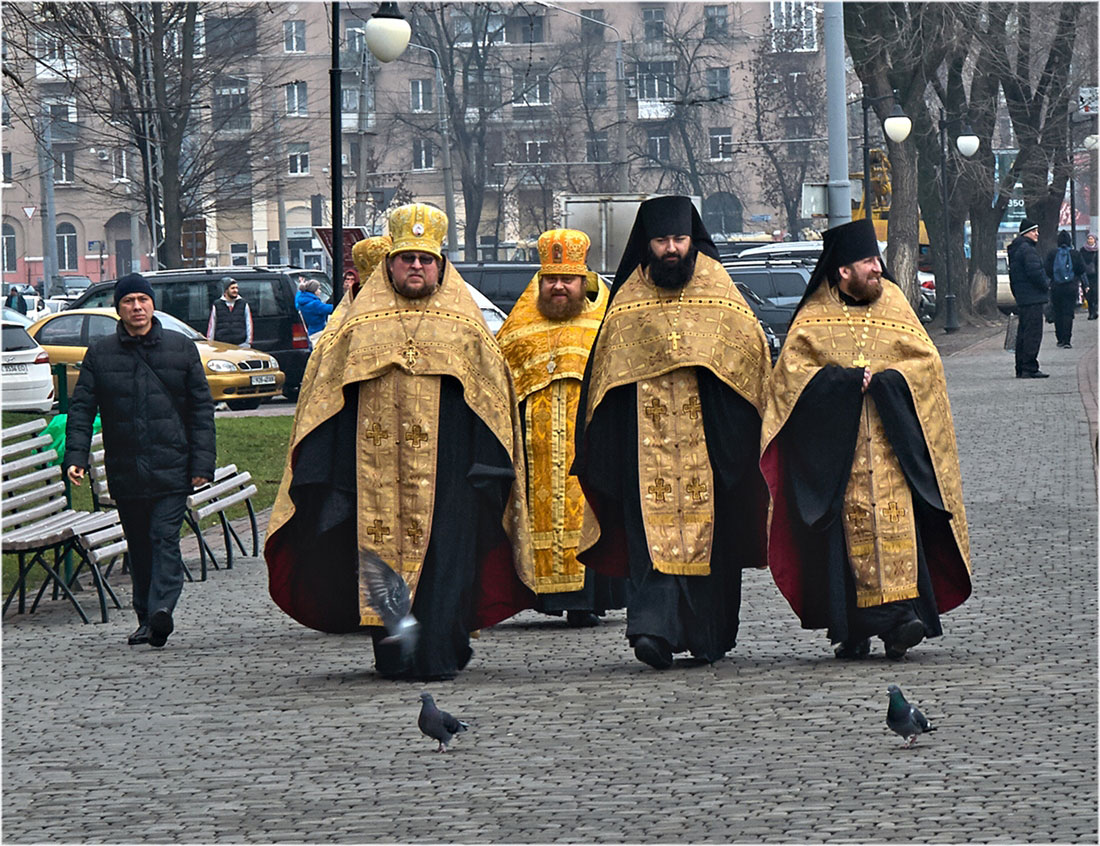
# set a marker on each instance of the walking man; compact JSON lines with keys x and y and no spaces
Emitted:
{"x":230,"y":316}
{"x":1031,"y":290}
{"x":1066,"y":271}
{"x":158,"y":434}
{"x":546,"y":341}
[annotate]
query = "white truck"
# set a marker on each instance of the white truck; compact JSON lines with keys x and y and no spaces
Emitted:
{"x":607,"y":220}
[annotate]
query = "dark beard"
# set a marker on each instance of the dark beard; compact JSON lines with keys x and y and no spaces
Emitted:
{"x":675,"y":275}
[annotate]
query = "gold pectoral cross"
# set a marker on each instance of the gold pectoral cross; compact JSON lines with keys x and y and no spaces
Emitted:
{"x":411,"y":353}
{"x":862,"y":361}
{"x":675,"y":336}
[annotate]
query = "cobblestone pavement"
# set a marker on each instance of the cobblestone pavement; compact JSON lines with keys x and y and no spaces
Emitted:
{"x":250,"y":728}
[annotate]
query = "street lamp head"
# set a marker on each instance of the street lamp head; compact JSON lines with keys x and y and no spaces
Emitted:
{"x":1090,"y":142}
{"x":967,"y":142}
{"x":897,"y":125}
{"x":387,"y":33}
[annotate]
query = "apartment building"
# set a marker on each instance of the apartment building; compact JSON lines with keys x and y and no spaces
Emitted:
{"x":723,"y":101}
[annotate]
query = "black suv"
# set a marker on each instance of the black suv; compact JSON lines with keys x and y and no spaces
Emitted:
{"x":779,"y":283}
{"x":189,"y":293}
{"x":501,"y":281}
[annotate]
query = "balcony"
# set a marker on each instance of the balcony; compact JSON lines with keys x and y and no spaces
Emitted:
{"x":655,"y":109}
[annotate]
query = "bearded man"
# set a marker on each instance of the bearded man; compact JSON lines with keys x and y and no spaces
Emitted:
{"x":667,"y":437}
{"x":868,"y":534}
{"x":405,"y":443}
{"x":546,"y":341}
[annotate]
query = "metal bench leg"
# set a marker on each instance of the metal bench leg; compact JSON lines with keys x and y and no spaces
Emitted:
{"x":19,"y":587}
{"x":226,"y":530}
{"x":204,"y":548}
{"x":255,"y":533}
{"x":59,"y":583}
{"x":236,"y":537}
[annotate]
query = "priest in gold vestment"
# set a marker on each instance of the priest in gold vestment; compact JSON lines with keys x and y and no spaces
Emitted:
{"x":867,"y":532}
{"x":668,"y":437}
{"x":405,"y":442}
{"x":546,"y":341}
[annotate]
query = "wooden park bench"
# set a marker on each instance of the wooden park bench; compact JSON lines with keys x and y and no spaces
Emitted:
{"x":40,"y":527}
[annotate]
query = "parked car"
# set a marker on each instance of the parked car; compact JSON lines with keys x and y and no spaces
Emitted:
{"x":1006,"y":303}
{"x":783,"y":250}
{"x":500,"y":281}
{"x":494,"y":317}
{"x":241,"y":378}
{"x":761,"y":308}
{"x":780,"y":284}
{"x":13,"y":316}
{"x":325,"y":292}
{"x":28,"y":385}
{"x":189,"y":293}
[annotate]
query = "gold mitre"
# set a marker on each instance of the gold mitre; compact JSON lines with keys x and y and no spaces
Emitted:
{"x":563,"y":252}
{"x":369,"y":252}
{"x":417,"y":226}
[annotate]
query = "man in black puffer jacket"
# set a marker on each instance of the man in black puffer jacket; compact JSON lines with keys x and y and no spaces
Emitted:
{"x":158,"y":437}
{"x":1031,"y":288}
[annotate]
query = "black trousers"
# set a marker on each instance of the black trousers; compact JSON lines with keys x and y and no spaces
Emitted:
{"x":1063,"y":299}
{"x":1028,"y":338}
{"x":152,"y":528}
{"x":1090,"y":295}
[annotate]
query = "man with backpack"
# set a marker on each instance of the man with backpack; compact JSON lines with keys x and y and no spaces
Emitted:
{"x":1066,"y":269}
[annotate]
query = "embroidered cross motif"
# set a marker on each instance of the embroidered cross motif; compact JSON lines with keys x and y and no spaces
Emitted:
{"x":655,"y":410}
{"x":696,"y":489}
{"x":416,"y":436}
{"x":856,"y":517}
{"x":675,"y":337}
{"x":692,"y":408}
{"x":377,"y":433}
{"x":414,"y":532}
{"x":659,"y":488}
{"x":378,"y":531}
{"x":893,"y":513}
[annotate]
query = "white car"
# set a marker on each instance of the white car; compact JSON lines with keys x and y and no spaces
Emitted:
{"x":493,"y":315}
{"x":27,"y":383}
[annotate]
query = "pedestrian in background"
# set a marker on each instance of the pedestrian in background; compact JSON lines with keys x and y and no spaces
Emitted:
{"x":230,"y":316}
{"x":1066,"y":270}
{"x":1031,"y":290}
{"x":15,"y":300}
{"x":351,"y":283}
{"x":1088,"y":256}
{"x":313,"y":309}
{"x":158,"y":435}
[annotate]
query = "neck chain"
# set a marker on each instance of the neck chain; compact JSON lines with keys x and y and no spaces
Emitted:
{"x":860,"y":338}
{"x":410,"y":351}
{"x":552,"y":348}
{"x":674,"y":336}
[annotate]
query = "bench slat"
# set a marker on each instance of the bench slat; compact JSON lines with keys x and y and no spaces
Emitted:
{"x":226,"y":502}
{"x":20,"y":447}
{"x":218,"y":489}
{"x":37,"y":476}
{"x":10,"y":468}
{"x":23,"y":428}
{"x":11,"y":505}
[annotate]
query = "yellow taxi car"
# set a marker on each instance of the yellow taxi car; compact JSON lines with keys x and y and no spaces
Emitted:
{"x":241,"y":378}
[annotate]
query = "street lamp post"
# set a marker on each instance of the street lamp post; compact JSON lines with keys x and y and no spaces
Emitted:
{"x":967,"y":144}
{"x":896,"y":126}
{"x":387,"y":34}
{"x":335,"y":167}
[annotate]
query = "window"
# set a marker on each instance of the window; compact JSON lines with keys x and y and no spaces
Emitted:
{"x":596,"y":147}
{"x":226,"y":35}
{"x":9,"y":245}
{"x":420,"y":95}
{"x":100,"y":325}
{"x":6,"y":115}
{"x":355,"y":34}
{"x":298,"y":159}
{"x":590,"y":25}
{"x":464,"y":30}
{"x":483,"y":88}
{"x":349,"y":100}
{"x":122,"y":44}
{"x":7,"y":168}
{"x":530,"y":29}
{"x":655,"y":80}
{"x":296,"y":99}
{"x":793,"y":26}
{"x":654,"y":20}
{"x":294,"y":36}
{"x":422,"y":154}
{"x":238,"y":255}
{"x":497,"y":29}
{"x":595,"y":88}
{"x":61,"y":109}
{"x":718,"y":83}
{"x":63,"y":167}
{"x":229,"y":107}
{"x":721,"y":143}
{"x":531,"y":89}
{"x":66,"y":247}
{"x":63,"y":331}
{"x":715,"y":21}
{"x":657,"y":145}
{"x":120,"y":164}
{"x":535,"y":151}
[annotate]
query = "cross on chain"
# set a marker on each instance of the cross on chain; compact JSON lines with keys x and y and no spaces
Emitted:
{"x":411,"y":354}
{"x":416,"y":436}
{"x":655,"y":410}
{"x":696,"y":489}
{"x":659,"y":488}
{"x":377,"y":433}
{"x":893,"y":513}
{"x":378,"y":531}
{"x":692,"y":408}
{"x":414,"y":532}
{"x":674,"y":336}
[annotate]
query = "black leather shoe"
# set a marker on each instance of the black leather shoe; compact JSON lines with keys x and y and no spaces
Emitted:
{"x":853,"y":650}
{"x":903,"y":637}
{"x":160,"y":626}
{"x":654,"y":651}
{"x":1035,"y":374}
{"x":581,"y":619}
{"x":140,"y":635}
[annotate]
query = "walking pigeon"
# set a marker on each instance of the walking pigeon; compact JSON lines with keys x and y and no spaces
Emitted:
{"x":438,"y":725}
{"x":905,"y":719}
{"x":389,"y":596}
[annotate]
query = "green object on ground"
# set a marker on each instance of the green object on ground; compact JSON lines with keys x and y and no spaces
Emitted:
{"x":56,"y":430}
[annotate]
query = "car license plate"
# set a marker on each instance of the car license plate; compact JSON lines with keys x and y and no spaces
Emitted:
{"x":264,"y":379}
{"x":16,"y":368}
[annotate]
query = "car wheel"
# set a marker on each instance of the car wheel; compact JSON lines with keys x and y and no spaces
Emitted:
{"x":243,"y":404}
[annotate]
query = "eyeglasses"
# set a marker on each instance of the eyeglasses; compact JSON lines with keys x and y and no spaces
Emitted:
{"x":412,"y":258}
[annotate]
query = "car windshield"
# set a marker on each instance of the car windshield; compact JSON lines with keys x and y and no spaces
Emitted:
{"x":173,"y":324}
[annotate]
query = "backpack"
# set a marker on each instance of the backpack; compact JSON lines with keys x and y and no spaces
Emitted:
{"x":1063,"y":266}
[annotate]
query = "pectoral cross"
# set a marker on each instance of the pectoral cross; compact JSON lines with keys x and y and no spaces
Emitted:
{"x":411,"y":353}
{"x":862,"y":361}
{"x":675,"y":336}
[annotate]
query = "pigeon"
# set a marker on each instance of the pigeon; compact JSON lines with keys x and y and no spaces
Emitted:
{"x":436,"y":724}
{"x":905,"y":719}
{"x":389,"y":595}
